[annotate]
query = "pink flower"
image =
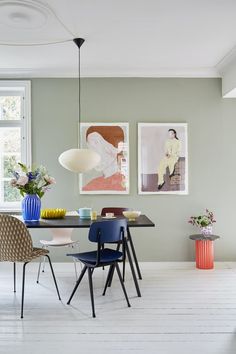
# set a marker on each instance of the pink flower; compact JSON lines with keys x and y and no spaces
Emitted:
{"x":50,"y":180}
{"x":13,"y":182}
{"x":22,"y":181}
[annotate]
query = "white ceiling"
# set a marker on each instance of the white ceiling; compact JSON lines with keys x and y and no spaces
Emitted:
{"x":175,"y":38}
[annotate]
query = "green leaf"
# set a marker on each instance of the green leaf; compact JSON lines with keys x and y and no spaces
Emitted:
{"x":23,"y":167}
{"x":22,"y":193}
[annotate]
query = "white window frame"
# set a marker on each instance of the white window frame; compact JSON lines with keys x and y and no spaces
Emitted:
{"x":9,"y":87}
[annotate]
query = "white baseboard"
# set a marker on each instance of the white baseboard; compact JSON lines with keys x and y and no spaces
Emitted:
{"x":67,"y":266}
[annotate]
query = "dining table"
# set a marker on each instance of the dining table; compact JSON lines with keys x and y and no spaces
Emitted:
{"x":75,"y":222}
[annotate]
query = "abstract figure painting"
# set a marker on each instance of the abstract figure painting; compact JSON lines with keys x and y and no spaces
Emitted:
{"x":111,"y":142}
{"x":163,"y":158}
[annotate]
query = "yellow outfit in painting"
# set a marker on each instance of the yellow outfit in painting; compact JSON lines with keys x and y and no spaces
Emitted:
{"x":172,"y":152}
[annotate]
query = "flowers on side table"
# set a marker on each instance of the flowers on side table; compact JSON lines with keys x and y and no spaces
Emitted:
{"x":204,"y":222}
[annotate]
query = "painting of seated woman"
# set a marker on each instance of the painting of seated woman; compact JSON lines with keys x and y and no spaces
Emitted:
{"x":163,"y":158}
{"x":110,"y":141}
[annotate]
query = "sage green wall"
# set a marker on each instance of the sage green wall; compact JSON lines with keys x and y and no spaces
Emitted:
{"x":212,"y":149}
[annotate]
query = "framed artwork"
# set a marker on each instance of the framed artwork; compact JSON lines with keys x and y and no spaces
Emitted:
{"x":111,"y":142}
{"x":162,"y":158}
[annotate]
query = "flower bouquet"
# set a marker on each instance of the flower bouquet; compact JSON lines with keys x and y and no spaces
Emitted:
{"x":32,"y":185}
{"x":204,"y":222}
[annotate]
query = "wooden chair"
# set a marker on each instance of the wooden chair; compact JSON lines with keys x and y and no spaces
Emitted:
{"x":115,"y":210}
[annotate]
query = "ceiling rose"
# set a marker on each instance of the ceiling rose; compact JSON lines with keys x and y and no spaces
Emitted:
{"x":23,"y":14}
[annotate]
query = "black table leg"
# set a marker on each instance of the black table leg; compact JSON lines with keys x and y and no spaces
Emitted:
{"x":132,"y":268}
{"x":134,"y":253}
{"x":112,"y":268}
{"x":123,"y":270}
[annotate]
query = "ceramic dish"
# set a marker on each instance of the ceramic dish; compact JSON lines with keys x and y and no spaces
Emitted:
{"x":131,"y":215}
{"x":84,"y":213}
{"x":53,"y":213}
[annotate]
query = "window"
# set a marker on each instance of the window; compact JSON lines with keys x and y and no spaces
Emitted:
{"x":15,"y":137}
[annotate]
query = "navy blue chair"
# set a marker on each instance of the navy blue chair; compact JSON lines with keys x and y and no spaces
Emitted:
{"x":102,"y":232}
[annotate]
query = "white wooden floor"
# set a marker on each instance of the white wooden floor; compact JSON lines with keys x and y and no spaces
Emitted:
{"x":182,"y":310}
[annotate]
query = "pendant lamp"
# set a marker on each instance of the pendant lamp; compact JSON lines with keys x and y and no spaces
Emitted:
{"x":79,"y":160}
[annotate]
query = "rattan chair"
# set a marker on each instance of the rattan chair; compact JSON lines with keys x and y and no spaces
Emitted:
{"x":16,"y":246}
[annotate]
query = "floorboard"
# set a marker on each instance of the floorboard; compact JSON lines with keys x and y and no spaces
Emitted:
{"x":182,"y":311}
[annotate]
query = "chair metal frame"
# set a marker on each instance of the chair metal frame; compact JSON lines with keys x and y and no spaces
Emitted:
{"x":118,"y":211}
{"x":14,"y":233}
{"x":90,"y":267}
{"x":23,"y":282}
{"x":60,"y":238}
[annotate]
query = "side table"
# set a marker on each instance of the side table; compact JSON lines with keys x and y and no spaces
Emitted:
{"x":204,"y":250}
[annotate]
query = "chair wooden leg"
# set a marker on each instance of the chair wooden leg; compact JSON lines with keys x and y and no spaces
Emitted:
{"x":77,"y":284}
{"x":53,"y":275}
{"x":23,"y":291}
{"x":14,"y":273}
{"x":122,"y":283}
{"x":91,"y":291}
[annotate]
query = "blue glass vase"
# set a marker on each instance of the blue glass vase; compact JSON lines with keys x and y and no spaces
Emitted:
{"x":31,"y":206}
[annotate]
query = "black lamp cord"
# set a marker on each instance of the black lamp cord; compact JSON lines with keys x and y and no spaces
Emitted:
{"x":79,"y":99}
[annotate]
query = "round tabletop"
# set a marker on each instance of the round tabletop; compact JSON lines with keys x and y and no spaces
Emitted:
{"x":199,"y":237}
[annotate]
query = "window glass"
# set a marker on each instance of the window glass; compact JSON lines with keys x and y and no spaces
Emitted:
{"x":10,"y":107}
{"x":14,"y":137}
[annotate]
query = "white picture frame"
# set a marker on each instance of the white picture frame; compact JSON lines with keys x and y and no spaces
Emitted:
{"x":153,"y":167}
{"x":112,"y":141}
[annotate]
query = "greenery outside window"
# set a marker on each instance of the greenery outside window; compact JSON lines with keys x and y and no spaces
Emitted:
{"x":15,"y":137}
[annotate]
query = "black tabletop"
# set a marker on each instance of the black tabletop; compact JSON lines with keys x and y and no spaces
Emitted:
{"x":198,"y":237}
{"x":75,"y":222}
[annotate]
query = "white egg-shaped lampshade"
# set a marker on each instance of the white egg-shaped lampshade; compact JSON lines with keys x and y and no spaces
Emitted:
{"x":79,"y":160}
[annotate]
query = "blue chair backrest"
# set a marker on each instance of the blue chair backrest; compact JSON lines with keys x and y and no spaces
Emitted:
{"x":107,"y":231}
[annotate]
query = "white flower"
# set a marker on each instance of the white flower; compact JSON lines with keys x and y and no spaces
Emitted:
{"x":22,"y":181}
{"x":50,"y":180}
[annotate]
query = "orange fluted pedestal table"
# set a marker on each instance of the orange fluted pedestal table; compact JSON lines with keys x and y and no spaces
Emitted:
{"x":204,"y":250}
